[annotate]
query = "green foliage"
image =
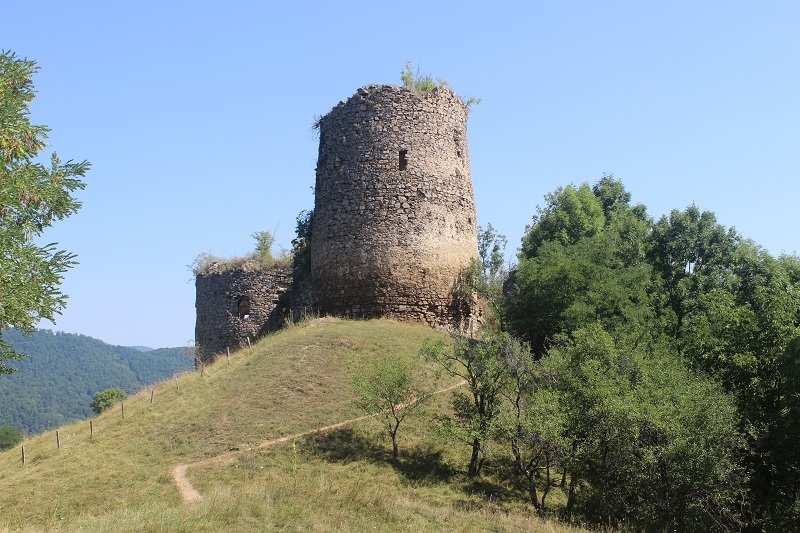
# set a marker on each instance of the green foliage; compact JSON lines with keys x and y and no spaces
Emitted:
{"x":9,"y":437}
{"x":55,"y":384}
{"x":32,"y":197}
{"x":471,"y":101}
{"x":416,"y":82}
{"x":387,"y":390}
{"x":301,"y":244}
{"x":479,"y":362}
{"x":264,"y":242}
{"x":483,"y":279}
{"x":421,"y":84}
{"x":102,"y":400}
{"x":692,"y":254}
{"x":491,"y":256}
{"x":650,"y":444}
{"x":683,"y":292}
{"x":261,"y":258}
{"x":583,"y":260}
{"x":531,"y":423}
{"x":564,"y":288}
{"x":570,"y":214}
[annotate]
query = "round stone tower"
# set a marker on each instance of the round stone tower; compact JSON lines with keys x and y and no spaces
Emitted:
{"x":394,"y":217}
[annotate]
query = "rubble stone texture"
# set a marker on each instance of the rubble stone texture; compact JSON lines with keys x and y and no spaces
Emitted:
{"x":393,"y":227}
{"x":234,"y":305}
{"x":394,"y":214}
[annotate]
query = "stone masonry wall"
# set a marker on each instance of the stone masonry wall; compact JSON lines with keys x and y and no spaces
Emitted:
{"x":234,"y":305}
{"x":394,"y":214}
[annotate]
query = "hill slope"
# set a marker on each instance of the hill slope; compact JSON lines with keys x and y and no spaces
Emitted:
{"x":121,"y":478}
{"x":56,"y":382}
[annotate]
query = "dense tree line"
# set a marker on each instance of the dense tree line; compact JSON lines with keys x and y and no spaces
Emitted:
{"x":56,"y":384}
{"x":655,"y":380}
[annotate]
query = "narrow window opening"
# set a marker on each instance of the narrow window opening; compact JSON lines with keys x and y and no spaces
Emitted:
{"x":244,"y":307}
{"x":403,"y":159}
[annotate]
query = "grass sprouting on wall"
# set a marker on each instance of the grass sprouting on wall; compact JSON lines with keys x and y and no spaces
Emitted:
{"x":259,"y":259}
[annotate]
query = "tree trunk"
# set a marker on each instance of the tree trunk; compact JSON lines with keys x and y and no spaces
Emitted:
{"x":546,"y":484}
{"x":573,"y":482}
{"x":530,"y":474}
{"x":532,"y":492}
{"x":474,"y":461}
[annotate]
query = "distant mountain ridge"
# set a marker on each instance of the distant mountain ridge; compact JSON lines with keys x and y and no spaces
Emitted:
{"x":56,"y":382}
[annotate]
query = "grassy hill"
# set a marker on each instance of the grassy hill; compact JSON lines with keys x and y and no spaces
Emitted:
{"x":120,"y":479}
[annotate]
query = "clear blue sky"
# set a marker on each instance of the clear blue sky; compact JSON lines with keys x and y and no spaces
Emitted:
{"x":196,"y":117}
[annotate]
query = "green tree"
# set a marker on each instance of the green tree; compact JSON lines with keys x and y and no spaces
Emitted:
{"x":107,"y":398}
{"x":612,"y":195}
{"x":583,"y":260}
{"x":479,"y":362}
{"x":692,"y":253}
{"x":784,"y":510}
{"x":9,"y":437}
{"x":566,"y":287}
{"x":741,"y":330}
{"x":387,"y":390}
{"x":531,"y":423}
{"x":32,"y":197}
{"x":650,"y":444}
{"x":571,"y":214}
{"x":483,"y":279}
{"x":264,"y":242}
{"x":301,"y":244}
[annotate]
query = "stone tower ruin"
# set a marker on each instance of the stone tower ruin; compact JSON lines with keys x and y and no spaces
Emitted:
{"x":235,"y":305}
{"x":393,"y":226}
{"x":394,"y":213}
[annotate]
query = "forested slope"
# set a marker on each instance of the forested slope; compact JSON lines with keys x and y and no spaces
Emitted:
{"x":55,"y":383}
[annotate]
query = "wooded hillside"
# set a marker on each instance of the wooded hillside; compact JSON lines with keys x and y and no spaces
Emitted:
{"x":55,"y":383}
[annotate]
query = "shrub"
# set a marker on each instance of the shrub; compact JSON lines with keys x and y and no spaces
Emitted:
{"x":419,"y":85}
{"x":104,"y":399}
{"x":260,"y":259}
{"x":9,"y":437}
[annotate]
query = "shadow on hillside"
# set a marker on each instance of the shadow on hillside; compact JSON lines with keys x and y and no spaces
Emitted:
{"x":489,"y":490}
{"x":423,"y":465}
{"x":344,"y":445}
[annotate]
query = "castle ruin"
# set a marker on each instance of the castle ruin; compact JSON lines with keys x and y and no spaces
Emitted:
{"x":236,"y":305}
{"x":394,"y":222}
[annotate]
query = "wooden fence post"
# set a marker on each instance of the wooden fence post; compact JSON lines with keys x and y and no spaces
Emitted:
{"x":229,"y":354}
{"x":123,"y":409}
{"x":23,"y":454}
{"x":91,"y":429}
{"x":58,"y":440}
{"x":152,"y":395}
{"x":249,"y":345}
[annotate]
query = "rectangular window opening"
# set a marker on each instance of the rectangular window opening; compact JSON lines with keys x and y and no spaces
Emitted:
{"x":403,"y":159}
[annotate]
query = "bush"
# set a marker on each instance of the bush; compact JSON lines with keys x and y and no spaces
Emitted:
{"x":104,"y":399}
{"x":260,"y":259}
{"x":418,"y":83}
{"x":9,"y":437}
